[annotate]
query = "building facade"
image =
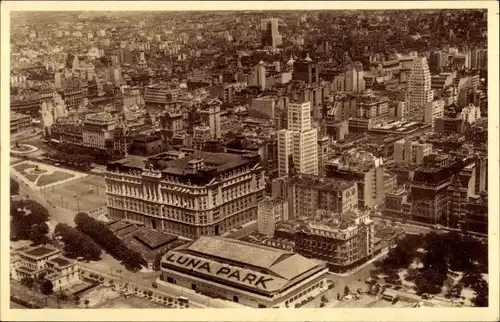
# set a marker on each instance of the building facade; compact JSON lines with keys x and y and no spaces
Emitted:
{"x":44,"y":260}
{"x":310,"y":193}
{"x":299,"y":142}
{"x":271,"y":211}
{"x":411,"y":152}
{"x":200,"y":194}
{"x":20,"y":123}
{"x":252,"y":275}
{"x":97,"y":129}
{"x":420,"y":92}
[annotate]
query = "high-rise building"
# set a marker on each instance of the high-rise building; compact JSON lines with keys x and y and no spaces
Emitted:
{"x":483,"y":59}
{"x":142,"y":60}
{"x":58,"y":80}
{"x":260,"y":71}
{"x":270,"y":32}
{"x":210,"y":114}
{"x":411,"y":152}
{"x":433,"y":110}
{"x":310,"y":193}
{"x":300,"y":141}
{"x":367,"y":171}
{"x":306,"y":70}
{"x":269,"y":212}
{"x":323,"y":149}
{"x":354,"y":78}
{"x":419,"y":89}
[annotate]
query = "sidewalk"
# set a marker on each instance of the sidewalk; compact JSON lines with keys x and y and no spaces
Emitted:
{"x":430,"y":226}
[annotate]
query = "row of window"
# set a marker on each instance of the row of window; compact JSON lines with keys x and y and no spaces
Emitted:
{"x":305,"y":292}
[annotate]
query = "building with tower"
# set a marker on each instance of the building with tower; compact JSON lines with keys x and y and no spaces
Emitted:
{"x":210,"y":114}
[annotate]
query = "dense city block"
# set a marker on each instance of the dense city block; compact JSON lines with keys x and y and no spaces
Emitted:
{"x":264,"y":159}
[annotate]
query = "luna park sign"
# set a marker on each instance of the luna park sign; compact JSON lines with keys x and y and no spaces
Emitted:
{"x":215,"y":269}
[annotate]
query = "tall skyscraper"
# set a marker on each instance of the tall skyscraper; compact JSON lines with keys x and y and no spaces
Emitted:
{"x":261,"y":75}
{"x":419,"y":89}
{"x":142,"y":60}
{"x":270,"y":32}
{"x":298,"y":143}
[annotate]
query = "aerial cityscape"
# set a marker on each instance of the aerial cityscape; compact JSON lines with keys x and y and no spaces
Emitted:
{"x":235,"y":159}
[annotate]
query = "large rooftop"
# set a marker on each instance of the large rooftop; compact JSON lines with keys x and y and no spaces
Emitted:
{"x":282,"y":263}
{"x":41,"y":251}
{"x":322,"y":183}
{"x":61,"y":261}
{"x":212,"y":162}
{"x":215,"y":161}
{"x":154,"y":239}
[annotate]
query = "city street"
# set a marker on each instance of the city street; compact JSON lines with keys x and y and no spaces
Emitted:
{"x":56,"y":213}
{"x":354,"y":281}
{"x":247,"y":229}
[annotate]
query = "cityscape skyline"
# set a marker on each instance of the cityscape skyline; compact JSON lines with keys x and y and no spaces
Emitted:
{"x":252,"y":159}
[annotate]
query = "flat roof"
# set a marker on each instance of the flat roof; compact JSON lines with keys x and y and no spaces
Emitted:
{"x":322,"y":183}
{"x":61,"y":261}
{"x":154,"y":239}
{"x":41,"y":251}
{"x":132,"y":161}
{"x":118,"y":225}
{"x":218,"y":161}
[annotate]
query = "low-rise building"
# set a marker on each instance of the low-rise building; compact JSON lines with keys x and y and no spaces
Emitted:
{"x":342,"y":240}
{"x":250,"y":274}
{"x":46,"y":261}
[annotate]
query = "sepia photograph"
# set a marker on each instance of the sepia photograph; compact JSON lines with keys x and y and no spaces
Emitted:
{"x":192,"y":156}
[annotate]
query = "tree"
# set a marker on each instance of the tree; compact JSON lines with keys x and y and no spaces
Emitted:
{"x":86,"y":302}
{"x":28,"y":221}
{"x":77,"y":299}
{"x":481,"y":294}
{"x":346,"y":290}
{"x":14,"y":187}
{"x":28,"y":281}
{"x":47,"y":287}
{"x":429,"y":281}
{"x":471,"y":278}
{"x":77,"y":244}
{"x":134,"y":261}
{"x":62,"y":296}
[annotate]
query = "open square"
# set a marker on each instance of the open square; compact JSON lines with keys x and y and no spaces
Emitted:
{"x":82,"y":194}
{"x":37,"y":175}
